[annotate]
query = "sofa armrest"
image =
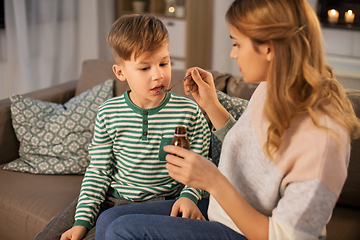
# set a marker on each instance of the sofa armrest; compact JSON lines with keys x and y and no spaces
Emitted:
{"x":9,"y":145}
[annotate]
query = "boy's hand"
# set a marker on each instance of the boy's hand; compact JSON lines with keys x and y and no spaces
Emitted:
{"x":187,"y":208}
{"x":74,"y":233}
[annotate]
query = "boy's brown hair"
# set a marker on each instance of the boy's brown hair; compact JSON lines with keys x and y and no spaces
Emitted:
{"x":132,"y":35}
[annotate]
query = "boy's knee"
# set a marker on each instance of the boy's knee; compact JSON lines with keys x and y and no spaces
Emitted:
{"x":102,"y":223}
{"x":121,"y":228}
{"x":104,"y":219}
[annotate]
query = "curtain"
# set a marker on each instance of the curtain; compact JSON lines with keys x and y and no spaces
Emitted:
{"x":45,"y":41}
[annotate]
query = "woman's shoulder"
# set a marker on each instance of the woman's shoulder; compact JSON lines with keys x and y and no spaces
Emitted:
{"x":315,"y":151}
{"x":322,"y":126}
{"x":317,"y":135}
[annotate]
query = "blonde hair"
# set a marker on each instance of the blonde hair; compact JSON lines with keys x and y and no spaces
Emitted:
{"x":133,"y":35}
{"x":299,"y":81}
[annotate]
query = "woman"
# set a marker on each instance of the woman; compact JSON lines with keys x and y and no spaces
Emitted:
{"x":284,"y":162}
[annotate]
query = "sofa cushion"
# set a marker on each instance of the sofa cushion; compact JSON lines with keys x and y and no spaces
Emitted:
{"x":96,"y":71}
{"x":54,"y":137}
{"x":234,"y":86}
{"x":29,"y":201}
{"x":350,"y":194}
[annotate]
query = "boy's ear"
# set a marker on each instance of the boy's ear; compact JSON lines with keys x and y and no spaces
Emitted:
{"x":118,"y":72}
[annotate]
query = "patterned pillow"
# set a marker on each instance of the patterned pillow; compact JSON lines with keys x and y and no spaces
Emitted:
{"x":235,"y":106}
{"x":53,"y":137}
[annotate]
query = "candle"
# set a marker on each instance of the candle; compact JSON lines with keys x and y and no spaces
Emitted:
{"x":349,"y":16}
{"x":333,"y":16}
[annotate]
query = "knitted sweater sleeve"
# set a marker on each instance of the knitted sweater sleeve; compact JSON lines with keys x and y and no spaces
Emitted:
{"x":221,"y":133}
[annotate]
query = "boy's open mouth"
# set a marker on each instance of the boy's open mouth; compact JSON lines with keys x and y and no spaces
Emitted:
{"x":157,"y":88}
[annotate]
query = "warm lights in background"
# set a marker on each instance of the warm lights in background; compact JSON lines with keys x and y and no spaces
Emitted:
{"x":349,"y":16}
{"x":175,"y":8}
{"x":171,"y":9}
{"x":333,"y":16}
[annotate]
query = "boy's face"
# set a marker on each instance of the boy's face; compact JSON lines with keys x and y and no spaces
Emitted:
{"x":146,"y":76}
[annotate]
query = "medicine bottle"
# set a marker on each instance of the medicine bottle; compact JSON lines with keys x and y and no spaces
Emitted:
{"x":180,"y":138}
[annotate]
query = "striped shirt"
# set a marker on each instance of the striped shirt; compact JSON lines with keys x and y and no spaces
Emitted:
{"x":127,"y":156}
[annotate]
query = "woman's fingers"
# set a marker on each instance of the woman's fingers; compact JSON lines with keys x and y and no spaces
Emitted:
{"x":175,"y":150}
{"x":175,"y":167}
{"x":200,"y":79}
{"x":192,"y":86}
{"x":197,"y":79}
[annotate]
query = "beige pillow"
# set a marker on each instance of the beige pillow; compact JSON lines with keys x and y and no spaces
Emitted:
{"x":95,"y":72}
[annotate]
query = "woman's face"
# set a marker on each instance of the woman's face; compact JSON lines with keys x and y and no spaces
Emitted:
{"x":254,"y":65}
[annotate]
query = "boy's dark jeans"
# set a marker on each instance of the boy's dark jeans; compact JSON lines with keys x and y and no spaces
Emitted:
{"x":65,"y":219}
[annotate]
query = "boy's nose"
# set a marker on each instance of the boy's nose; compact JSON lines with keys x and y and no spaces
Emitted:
{"x":157,"y":74}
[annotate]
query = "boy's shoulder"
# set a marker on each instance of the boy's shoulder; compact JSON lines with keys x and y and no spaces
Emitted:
{"x":179,"y":98}
{"x":120,"y":99}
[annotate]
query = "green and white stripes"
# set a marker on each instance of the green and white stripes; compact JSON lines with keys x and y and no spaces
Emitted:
{"x":127,"y":154}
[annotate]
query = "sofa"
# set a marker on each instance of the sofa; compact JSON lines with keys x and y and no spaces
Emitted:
{"x":29,"y":201}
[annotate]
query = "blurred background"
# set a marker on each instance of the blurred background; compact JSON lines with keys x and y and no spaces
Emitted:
{"x":44,"y":42}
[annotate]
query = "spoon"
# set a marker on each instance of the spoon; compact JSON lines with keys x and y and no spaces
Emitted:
{"x":169,"y":89}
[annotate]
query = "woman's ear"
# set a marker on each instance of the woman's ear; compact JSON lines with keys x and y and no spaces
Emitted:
{"x":118,"y":72}
{"x":270,"y":51}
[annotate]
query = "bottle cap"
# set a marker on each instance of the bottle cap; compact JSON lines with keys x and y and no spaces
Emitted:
{"x":180,"y":131}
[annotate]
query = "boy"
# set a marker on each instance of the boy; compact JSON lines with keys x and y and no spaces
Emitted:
{"x":127,"y":158}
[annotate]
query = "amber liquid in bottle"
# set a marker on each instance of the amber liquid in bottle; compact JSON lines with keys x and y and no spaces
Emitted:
{"x":180,"y":138}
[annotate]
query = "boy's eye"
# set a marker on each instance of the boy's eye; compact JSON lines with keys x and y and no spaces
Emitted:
{"x":163,"y":64}
{"x":144,"y":69}
{"x":235,"y":45}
